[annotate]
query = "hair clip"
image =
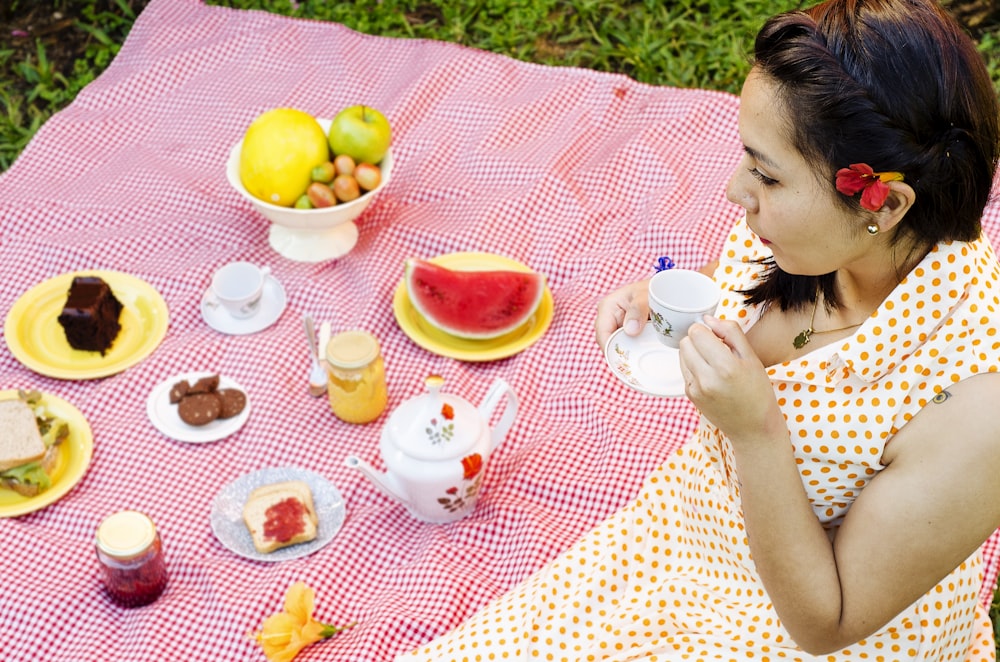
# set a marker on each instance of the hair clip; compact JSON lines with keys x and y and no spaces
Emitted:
{"x":873,"y":187}
{"x":664,"y":263}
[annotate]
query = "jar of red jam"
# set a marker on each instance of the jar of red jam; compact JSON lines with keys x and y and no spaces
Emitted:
{"x":131,"y":556}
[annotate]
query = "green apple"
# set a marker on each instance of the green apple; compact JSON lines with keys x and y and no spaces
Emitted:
{"x":362,"y":133}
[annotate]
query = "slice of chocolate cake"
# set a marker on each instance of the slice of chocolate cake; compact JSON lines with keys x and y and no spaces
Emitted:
{"x":90,"y":316}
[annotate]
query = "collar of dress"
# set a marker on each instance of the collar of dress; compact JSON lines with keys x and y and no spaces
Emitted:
{"x":926,"y":311}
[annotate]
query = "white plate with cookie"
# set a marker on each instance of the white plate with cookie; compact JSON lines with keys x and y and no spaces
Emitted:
{"x":231,"y":530}
{"x":204,"y":422}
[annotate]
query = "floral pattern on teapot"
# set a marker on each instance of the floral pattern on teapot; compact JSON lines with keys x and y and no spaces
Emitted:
{"x":437,"y":431}
{"x":436,"y":448}
{"x":456,"y":498}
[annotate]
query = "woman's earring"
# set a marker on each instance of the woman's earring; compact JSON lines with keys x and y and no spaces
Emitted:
{"x":872,"y":229}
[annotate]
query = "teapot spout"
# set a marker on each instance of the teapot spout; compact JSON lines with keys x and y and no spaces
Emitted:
{"x":385,"y":482}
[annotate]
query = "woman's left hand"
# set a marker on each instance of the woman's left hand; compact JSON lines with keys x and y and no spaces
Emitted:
{"x":727,"y":382}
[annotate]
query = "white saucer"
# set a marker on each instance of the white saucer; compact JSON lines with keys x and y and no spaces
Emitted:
{"x":272,"y":304}
{"x":165,"y":418}
{"x":227,"y":513}
{"x":644,"y":363}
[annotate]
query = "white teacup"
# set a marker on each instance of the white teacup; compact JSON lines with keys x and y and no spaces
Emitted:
{"x":238,"y":288}
{"x":679,"y":298}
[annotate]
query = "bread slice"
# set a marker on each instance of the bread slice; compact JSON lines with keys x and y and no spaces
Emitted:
{"x":30,"y":489}
{"x":20,"y":441}
{"x":299,"y":487}
{"x":280,"y":515}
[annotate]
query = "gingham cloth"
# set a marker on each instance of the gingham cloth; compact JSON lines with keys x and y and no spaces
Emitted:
{"x":586,"y":177}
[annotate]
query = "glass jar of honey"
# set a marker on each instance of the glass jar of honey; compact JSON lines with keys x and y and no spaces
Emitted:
{"x":131,"y":556}
{"x":356,"y":386}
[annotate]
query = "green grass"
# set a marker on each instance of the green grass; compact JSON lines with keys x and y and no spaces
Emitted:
{"x":33,"y":87}
{"x":688,"y":43}
{"x":685,"y":43}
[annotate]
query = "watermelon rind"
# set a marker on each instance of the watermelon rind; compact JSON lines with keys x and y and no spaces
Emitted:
{"x":476,"y":305}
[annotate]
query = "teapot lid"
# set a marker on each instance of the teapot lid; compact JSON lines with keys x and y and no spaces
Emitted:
{"x":435,"y":425}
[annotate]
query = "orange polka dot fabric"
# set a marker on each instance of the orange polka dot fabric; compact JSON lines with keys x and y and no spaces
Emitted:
{"x":670,"y":576}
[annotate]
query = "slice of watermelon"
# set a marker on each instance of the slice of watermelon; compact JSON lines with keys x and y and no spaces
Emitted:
{"x":473,"y":304}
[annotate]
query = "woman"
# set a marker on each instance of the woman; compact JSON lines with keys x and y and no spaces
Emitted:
{"x":847,"y":467}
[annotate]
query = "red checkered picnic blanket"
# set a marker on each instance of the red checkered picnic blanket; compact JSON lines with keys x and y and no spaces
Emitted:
{"x":584,"y":176}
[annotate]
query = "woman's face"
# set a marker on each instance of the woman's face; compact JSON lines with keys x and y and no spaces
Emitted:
{"x":787,"y":205}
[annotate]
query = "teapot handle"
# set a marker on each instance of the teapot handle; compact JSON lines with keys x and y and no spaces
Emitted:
{"x":499,"y":390}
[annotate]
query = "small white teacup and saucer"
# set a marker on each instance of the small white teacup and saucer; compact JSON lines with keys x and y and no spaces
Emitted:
{"x":242,"y":299}
{"x":650,"y":361}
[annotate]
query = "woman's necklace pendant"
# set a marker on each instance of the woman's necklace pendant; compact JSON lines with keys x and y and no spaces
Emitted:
{"x":802,"y":339}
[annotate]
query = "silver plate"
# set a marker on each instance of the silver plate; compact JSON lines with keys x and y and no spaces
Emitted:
{"x":227,"y":513}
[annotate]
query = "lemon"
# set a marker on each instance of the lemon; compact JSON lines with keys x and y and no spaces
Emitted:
{"x":280,"y":149}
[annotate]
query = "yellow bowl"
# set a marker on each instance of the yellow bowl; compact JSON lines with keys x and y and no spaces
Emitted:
{"x":309,"y":235}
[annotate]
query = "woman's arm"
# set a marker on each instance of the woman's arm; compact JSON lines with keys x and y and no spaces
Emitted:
{"x":935,"y":502}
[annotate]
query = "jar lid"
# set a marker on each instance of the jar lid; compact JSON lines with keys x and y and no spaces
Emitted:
{"x":126,"y":533}
{"x":352,"y":349}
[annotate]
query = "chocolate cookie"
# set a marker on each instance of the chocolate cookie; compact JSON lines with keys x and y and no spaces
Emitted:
{"x":178,"y":391}
{"x":200,"y":408}
{"x":233,"y":401}
{"x":205,"y":385}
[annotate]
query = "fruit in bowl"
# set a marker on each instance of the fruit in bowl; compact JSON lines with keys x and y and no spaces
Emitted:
{"x":286,"y":152}
{"x":300,"y":214}
{"x":359,"y":138}
{"x":302,"y":228}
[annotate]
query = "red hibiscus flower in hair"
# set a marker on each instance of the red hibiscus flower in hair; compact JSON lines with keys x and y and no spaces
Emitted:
{"x":872,"y":185}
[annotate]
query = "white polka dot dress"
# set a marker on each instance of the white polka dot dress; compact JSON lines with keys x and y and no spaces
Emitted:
{"x":670,"y":576}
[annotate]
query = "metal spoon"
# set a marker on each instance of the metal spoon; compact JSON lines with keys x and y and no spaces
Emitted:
{"x":317,"y":376}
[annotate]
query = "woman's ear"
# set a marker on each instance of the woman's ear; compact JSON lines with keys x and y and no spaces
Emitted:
{"x":901,"y":197}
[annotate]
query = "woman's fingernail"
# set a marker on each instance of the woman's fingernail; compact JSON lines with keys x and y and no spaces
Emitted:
{"x":631,"y":327}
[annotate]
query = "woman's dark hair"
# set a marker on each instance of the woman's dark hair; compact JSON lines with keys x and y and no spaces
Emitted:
{"x":896,"y":84}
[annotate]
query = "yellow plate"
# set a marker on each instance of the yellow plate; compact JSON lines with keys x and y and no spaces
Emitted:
{"x":74,"y":458}
{"x":37,"y":340}
{"x":434,"y":340}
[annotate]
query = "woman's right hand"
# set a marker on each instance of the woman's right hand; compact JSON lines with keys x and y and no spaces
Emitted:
{"x":627,"y":307}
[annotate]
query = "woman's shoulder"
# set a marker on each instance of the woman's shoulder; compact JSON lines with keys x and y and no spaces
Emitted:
{"x":957,"y":282}
{"x":938,"y":328}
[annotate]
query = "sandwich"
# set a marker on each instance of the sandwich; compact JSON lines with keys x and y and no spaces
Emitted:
{"x":29,"y":444}
{"x":280,"y":515}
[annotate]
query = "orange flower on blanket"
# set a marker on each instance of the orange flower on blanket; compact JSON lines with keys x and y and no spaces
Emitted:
{"x":873,"y":186}
{"x":286,"y":633}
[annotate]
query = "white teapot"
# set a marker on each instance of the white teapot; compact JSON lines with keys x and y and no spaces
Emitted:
{"x":435,"y":447}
